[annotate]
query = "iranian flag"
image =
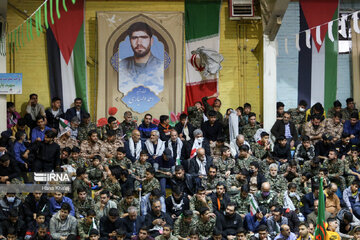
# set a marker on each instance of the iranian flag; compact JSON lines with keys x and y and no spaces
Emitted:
{"x":202,"y":29}
{"x":317,"y":80}
{"x":66,"y":53}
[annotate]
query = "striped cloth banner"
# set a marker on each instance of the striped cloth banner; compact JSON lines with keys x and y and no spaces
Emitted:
{"x":317,"y":77}
{"x":202,"y":24}
{"x":66,"y":54}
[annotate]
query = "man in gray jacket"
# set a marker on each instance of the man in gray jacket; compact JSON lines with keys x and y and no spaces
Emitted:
{"x":62,"y":224}
{"x":275,"y":222}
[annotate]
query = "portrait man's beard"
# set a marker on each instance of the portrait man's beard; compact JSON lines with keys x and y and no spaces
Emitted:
{"x":143,"y":53}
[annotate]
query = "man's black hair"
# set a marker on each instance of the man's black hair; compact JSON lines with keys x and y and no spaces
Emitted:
{"x":337,"y":103}
{"x":140,"y":26}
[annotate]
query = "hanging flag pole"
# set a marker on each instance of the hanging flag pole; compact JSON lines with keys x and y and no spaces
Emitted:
{"x":320,"y":231}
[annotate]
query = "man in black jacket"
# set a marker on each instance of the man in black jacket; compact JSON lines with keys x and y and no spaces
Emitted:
{"x":197,"y":142}
{"x":75,"y":111}
{"x":47,"y":153}
{"x":220,"y":199}
{"x":177,"y":203}
{"x":35,"y":203}
{"x":285,"y":128}
{"x":212,"y":129}
{"x":9,"y":170}
{"x":132,"y":223}
{"x":109,"y":224}
{"x":229,"y":222}
{"x":184,"y":180}
{"x":156,"y":219}
{"x":54,"y":113}
{"x":199,"y":165}
{"x":184,"y":128}
{"x":13,"y":222}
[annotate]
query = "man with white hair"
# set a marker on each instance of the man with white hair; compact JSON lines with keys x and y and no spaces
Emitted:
{"x":278,"y":182}
{"x":236,"y":144}
{"x":198,"y":142}
{"x":199,"y":165}
{"x":155,"y":146}
{"x":132,"y":223}
{"x":134,"y":146}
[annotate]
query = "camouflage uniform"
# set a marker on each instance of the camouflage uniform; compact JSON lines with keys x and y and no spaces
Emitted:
{"x":124,"y":163}
{"x":195,"y":204}
{"x":346,"y":113}
{"x":336,"y":169}
{"x":106,"y":128}
{"x":205,"y":229}
{"x":242,"y":204}
{"x":302,"y":155}
{"x":224,"y":165}
{"x":111,"y":147}
{"x":78,"y":184}
{"x":63,"y":143}
{"x":183,"y":229}
{"x":123,"y":206}
{"x":249,"y":132}
{"x":351,"y":164}
{"x":95,"y":174}
{"x":216,"y":151}
{"x":84,"y":130}
{"x":232,"y":181}
{"x":210,"y":184}
{"x":147,"y":186}
{"x":83,"y":228}
{"x":244,"y":163}
{"x":127,"y":128}
{"x":278,"y":183}
{"x":259,"y":151}
{"x":88,"y":149}
{"x":113,"y":187}
{"x":140,"y":169}
{"x":332,"y":129}
{"x":301,"y":189}
{"x":310,"y":131}
{"x":82,"y":207}
{"x":208,"y":108}
{"x":307,"y":168}
{"x":269,"y":199}
{"x":80,"y":162}
{"x":297,"y":117}
{"x":195,"y":116}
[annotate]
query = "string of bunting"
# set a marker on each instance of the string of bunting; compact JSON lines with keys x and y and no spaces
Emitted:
{"x":16,"y":36}
{"x":342,"y":22}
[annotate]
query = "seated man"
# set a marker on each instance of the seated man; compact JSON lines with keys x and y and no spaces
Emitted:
{"x":148,"y":199}
{"x":42,"y":233}
{"x":134,"y":146}
{"x":33,"y":110}
{"x":156,"y":219}
{"x":154,"y":146}
{"x":85,"y":126}
{"x":92,"y":146}
{"x":143,"y":234}
{"x":166,"y":234}
{"x":33,"y":204}
{"x":38,"y":133}
{"x":229,"y":222}
{"x":351,"y":195}
{"x":352,"y":127}
{"x":128,"y":125}
{"x":190,"y":147}
{"x":253,"y":223}
{"x":58,"y":200}
{"x":175,"y":145}
{"x":177,"y":203}
{"x":262,"y":147}
{"x":109,"y":223}
{"x":103,"y":207}
{"x":236,"y":144}
{"x":285,"y":127}
{"x":304,"y":151}
{"x":128,"y":201}
{"x":277,"y":219}
{"x":83,"y":203}
{"x":285,"y":233}
{"x":265,"y":196}
{"x":13,"y":221}
{"x":184,"y":225}
{"x":146,"y":127}
{"x":199,"y":165}
{"x":86,"y":223}
{"x":132,"y":223}
{"x":54,"y":113}
{"x":220,"y":199}
{"x":212,"y":129}
{"x":62,"y":224}
{"x":186,"y":181}
{"x":184,"y":128}
{"x":21,"y":126}
{"x":314,"y":129}
{"x":75,"y":111}
{"x":200,"y":200}
{"x":332,"y":204}
{"x":196,"y":114}
{"x":206,"y":223}
{"x":250,"y":129}
{"x":164,"y":128}
{"x":9,"y":170}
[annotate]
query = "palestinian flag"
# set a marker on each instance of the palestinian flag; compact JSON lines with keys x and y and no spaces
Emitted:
{"x":320,"y":230}
{"x":202,"y":25}
{"x":66,"y":53}
{"x":317,"y":77}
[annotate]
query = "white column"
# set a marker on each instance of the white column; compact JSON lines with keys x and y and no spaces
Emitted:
{"x":3,"y":70}
{"x":269,"y":83}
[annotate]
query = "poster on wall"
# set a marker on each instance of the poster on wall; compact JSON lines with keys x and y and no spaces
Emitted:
{"x":140,"y":62}
{"x":11,"y":83}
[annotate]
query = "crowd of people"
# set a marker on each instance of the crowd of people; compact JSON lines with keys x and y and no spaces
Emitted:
{"x":194,"y":180}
